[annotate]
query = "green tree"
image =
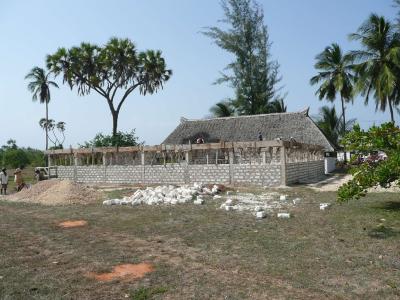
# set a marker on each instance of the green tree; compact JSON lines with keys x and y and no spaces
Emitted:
{"x":278,"y":106}
{"x":114,"y":71}
{"x":12,"y":156}
{"x":372,"y":173}
{"x":40,"y":87}
{"x":331,"y":124}
{"x":378,"y":62}
{"x":121,"y":139}
{"x":51,"y":126}
{"x":253,"y":74}
{"x":223,"y":109}
{"x":335,"y":76}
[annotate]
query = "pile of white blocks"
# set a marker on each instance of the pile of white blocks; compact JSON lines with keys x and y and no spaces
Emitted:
{"x":259,"y":205}
{"x":167,"y":195}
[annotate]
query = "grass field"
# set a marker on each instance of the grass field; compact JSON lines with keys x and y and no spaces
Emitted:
{"x":351,"y":251}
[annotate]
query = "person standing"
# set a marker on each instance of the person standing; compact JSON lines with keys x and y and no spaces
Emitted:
{"x":19,"y":181}
{"x":4,"y":181}
{"x":260,"y":137}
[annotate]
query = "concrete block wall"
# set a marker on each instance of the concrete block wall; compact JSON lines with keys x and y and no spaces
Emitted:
{"x":304,"y":172}
{"x":122,"y":174}
{"x":257,"y":174}
{"x":265,"y":175}
{"x":168,"y":174}
{"x":66,"y":172}
{"x":209,"y":174}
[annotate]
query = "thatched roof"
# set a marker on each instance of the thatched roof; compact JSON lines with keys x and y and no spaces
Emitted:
{"x":285,"y":126}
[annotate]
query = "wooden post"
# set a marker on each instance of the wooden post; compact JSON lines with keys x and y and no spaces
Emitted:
{"x":207,"y":158}
{"x":104,"y":158}
{"x":283,"y":164}
{"x":92,"y":156}
{"x":216,"y":157}
{"x":231,"y":161}
{"x":75,"y":167}
{"x":187,"y":157}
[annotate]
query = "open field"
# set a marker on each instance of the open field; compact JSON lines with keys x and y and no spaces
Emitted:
{"x":199,"y":252}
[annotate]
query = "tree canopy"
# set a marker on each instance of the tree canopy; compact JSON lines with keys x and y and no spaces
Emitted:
{"x":121,"y":139}
{"x":252,"y":73}
{"x":378,"y":62}
{"x":39,"y":86}
{"x":114,"y":71}
{"x":368,"y":173}
{"x":331,"y":124}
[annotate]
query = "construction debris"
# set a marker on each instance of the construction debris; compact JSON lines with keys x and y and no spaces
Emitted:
{"x":167,"y":195}
{"x":324,"y":206}
{"x":283,"y":215}
{"x":259,"y":205}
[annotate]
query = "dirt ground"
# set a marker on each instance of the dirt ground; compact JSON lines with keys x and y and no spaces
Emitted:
{"x":200,"y":252}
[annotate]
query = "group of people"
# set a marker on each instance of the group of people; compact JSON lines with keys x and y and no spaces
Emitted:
{"x":19,"y":181}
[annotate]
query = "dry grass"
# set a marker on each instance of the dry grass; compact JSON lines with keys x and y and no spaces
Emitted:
{"x":347,"y":252}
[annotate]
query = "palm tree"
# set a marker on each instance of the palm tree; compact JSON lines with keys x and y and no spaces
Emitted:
{"x":378,"y":62}
{"x":222,"y":109}
{"x":40,"y":87}
{"x":278,"y":106}
{"x":336,"y":76}
{"x":331,"y":124}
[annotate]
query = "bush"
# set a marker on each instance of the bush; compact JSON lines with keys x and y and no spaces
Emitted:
{"x":15,"y":158}
{"x":369,"y":173}
{"x":122,"y":139}
{"x":11,"y":156}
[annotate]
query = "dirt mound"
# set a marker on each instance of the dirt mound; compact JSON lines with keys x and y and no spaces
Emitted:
{"x":72,"y":224}
{"x":124,"y":272}
{"x":57,"y":192}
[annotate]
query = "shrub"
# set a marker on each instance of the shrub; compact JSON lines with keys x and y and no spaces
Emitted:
{"x":122,"y":139}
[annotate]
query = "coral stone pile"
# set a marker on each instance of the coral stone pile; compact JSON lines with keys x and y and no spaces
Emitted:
{"x":167,"y":194}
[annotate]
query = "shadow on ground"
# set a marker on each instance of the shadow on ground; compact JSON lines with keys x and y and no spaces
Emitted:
{"x":390,"y":205}
{"x":383,"y":232}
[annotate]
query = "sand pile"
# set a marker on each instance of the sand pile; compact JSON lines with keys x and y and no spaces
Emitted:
{"x":57,"y":192}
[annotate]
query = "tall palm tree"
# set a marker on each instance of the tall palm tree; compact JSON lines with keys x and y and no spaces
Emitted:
{"x":331,"y":124}
{"x":222,"y":109}
{"x":378,"y":62}
{"x":336,"y":77}
{"x":40,"y":88}
{"x":278,"y":106}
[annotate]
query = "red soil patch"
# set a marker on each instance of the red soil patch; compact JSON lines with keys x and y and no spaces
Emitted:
{"x":71,"y":224}
{"x":125,"y":272}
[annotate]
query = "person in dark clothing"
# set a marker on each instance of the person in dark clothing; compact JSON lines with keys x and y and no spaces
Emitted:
{"x":3,"y":181}
{"x":260,"y":137}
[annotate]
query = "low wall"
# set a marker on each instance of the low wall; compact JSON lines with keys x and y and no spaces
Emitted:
{"x":259,"y":174}
{"x":304,"y":172}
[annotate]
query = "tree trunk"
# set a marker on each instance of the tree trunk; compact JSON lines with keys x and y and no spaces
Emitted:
{"x":115,"y":124}
{"x":344,"y":127}
{"x":47,"y":124}
{"x":391,"y":110}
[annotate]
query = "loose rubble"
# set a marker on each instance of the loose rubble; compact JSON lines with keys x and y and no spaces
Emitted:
{"x":167,"y":195}
{"x":324,"y":206}
{"x":283,"y":215}
{"x":259,"y":205}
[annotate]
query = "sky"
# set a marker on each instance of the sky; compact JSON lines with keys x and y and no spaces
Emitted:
{"x":30,"y":30}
